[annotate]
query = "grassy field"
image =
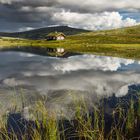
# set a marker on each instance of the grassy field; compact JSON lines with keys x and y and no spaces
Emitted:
{"x":120,"y":42}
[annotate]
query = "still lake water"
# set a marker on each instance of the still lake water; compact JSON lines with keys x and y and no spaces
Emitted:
{"x":63,"y":79}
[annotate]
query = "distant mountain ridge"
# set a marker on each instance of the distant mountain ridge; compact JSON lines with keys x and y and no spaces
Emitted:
{"x":42,"y":32}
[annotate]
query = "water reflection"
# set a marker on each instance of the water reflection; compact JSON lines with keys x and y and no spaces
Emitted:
{"x":85,"y":75}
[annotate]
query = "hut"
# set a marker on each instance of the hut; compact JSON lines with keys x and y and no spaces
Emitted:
{"x":55,"y":36}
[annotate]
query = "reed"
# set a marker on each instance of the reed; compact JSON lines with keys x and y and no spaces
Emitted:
{"x":87,"y":123}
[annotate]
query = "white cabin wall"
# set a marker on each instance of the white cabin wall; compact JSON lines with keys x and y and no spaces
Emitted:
{"x":60,"y":38}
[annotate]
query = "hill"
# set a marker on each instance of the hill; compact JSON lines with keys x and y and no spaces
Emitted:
{"x":123,"y":42}
{"x":42,"y":32}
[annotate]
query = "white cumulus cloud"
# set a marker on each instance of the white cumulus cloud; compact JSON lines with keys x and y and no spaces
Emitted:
{"x":89,"y":14}
{"x":104,"y":20}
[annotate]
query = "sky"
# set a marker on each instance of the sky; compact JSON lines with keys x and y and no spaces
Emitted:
{"x":20,"y":15}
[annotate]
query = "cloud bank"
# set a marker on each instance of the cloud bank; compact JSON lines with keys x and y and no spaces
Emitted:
{"x":89,"y":14}
{"x":96,"y":21}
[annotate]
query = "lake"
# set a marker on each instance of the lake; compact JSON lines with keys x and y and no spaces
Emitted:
{"x":64,"y":79}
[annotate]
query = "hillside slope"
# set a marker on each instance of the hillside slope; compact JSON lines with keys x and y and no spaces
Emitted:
{"x":128,"y":30}
{"x":129,"y":35}
{"x":42,"y":32}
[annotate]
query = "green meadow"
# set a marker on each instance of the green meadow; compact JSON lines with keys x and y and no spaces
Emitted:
{"x":123,"y":42}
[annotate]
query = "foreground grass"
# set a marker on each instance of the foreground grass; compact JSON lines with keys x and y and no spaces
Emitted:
{"x":85,"y":125}
{"x":120,"y":42}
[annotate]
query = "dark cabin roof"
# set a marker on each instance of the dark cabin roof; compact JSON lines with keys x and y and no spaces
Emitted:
{"x":56,"y":34}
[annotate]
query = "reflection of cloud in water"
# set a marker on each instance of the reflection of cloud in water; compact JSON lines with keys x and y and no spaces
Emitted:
{"x":89,"y":74}
{"x":87,"y":62}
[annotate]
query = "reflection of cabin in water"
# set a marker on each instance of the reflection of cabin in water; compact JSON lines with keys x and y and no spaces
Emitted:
{"x":55,"y":36}
{"x":56,"y":50}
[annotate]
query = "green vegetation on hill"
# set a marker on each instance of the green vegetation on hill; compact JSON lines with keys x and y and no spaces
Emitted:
{"x":123,"y":42}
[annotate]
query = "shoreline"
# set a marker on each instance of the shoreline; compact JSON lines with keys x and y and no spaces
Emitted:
{"x":42,"y":51}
